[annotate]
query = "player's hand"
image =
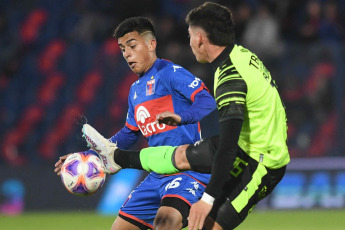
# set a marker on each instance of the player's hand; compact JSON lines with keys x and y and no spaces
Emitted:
{"x":59,"y":164}
{"x":197,"y":215}
{"x":168,"y":118}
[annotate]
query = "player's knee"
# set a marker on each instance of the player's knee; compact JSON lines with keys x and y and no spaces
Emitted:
{"x":167,"y":218}
{"x":166,"y":223}
{"x":181,"y":161}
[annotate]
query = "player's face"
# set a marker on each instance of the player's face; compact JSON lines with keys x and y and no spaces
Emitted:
{"x":137,"y":52}
{"x":196,"y":43}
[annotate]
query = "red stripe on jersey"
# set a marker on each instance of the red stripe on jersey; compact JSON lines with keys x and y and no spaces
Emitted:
{"x":131,"y":127}
{"x":202,"y":86}
{"x":179,"y":197}
{"x":165,"y":59}
{"x":136,"y":219}
{"x":150,"y":89}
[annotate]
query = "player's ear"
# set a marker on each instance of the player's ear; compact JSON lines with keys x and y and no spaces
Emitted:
{"x":152,"y":45}
{"x":200,"y":40}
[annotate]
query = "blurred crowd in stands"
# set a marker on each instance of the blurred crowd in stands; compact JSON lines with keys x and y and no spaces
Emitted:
{"x":60,"y":67}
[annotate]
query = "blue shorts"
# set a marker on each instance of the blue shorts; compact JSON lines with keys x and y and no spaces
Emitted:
{"x":142,"y":204}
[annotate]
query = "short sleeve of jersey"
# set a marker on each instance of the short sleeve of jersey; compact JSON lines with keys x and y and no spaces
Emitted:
{"x":230,"y":92}
{"x":130,"y":120}
{"x":183,"y":82}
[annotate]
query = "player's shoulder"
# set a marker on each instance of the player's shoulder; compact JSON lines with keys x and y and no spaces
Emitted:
{"x":240,"y":55}
{"x":170,"y":68}
{"x":134,"y":84}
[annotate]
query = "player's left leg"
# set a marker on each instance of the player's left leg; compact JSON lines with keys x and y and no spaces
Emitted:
{"x":169,"y":217}
{"x":251,"y":182}
{"x":179,"y":192}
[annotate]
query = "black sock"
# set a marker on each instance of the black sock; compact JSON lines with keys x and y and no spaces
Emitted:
{"x":128,"y":158}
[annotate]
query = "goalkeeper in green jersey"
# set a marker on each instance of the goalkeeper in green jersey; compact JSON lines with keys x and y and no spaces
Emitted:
{"x":249,"y":157}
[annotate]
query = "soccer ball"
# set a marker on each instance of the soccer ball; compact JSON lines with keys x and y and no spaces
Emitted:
{"x":82,"y":174}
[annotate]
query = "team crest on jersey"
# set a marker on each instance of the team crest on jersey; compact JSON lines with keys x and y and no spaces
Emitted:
{"x":145,"y":115}
{"x":150,"y":87}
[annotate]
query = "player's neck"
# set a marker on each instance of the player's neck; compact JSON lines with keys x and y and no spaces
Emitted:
{"x":213,"y":52}
{"x":149,"y":65}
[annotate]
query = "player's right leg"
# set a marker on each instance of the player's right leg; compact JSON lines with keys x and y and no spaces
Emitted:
{"x":197,"y":157}
{"x":121,"y":224}
{"x":158,"y":159}
{"x":104,"y":148}
{"x":170,"y":160}
{"x":162,"y":159}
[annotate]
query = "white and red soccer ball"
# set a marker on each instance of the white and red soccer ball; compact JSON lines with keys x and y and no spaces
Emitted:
{"x":82,"y":174}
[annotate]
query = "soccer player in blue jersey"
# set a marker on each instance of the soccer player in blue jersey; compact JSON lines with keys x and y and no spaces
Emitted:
{"x":170,"y":93}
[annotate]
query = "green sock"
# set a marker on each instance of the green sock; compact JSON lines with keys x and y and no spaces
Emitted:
{"x":158,"y":159}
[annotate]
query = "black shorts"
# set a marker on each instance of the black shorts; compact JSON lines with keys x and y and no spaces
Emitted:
{"x":248,"y":183}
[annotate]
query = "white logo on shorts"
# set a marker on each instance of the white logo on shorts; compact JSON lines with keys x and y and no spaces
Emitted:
{"x":195,"y":185}
{"x":191,"y":191}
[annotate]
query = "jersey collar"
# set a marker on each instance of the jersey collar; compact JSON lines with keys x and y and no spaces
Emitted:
{"x":149,"y":71}
{"x":222,"y":56}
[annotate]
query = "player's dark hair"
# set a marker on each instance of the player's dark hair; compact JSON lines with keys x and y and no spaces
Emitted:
{"x":217,"y":22}
{"x":138,"y":24}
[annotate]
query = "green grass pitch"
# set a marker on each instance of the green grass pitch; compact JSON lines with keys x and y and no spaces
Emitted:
{"x":258,"y":220}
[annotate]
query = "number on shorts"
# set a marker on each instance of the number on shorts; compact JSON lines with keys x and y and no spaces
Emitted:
{"x":173,"y":184}
{"x":239,"y":165}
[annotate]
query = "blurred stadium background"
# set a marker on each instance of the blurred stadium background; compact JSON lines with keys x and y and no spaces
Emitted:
{"x":60,"y":67}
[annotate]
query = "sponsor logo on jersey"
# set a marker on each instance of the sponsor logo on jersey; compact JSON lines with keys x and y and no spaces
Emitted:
{"x":194,"y":83}
{"x":145,"y":115}
{"x":150,"y":87}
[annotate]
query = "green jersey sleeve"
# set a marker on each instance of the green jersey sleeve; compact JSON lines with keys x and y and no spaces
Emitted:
{"x":230,"y":93}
